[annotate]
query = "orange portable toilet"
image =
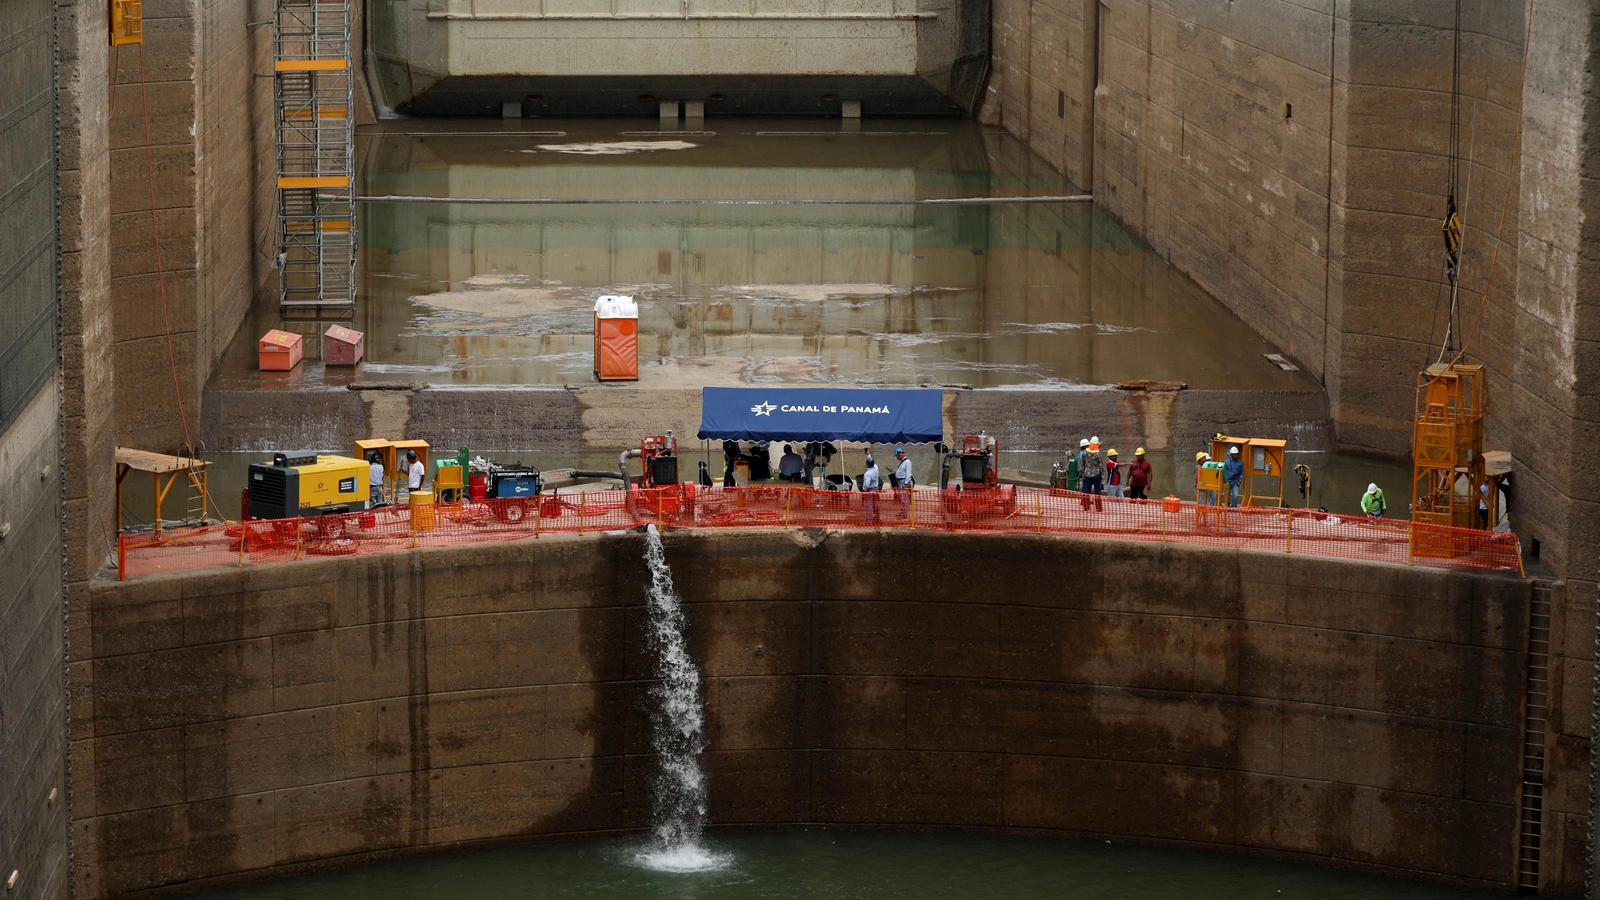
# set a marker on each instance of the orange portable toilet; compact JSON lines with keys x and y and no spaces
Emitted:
{"x":342,"y":346}
{"x":280,"y":351}
{"x":616,"y":339}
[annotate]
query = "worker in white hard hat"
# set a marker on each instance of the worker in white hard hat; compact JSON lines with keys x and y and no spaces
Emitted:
{"x":1075,"y":471}
{"x":1094,"y":475}
{"x":1372,"y":502}
{"x":1233,"y":474}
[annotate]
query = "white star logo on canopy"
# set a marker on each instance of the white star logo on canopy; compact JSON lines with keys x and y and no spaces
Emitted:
{"x":763,"y":408}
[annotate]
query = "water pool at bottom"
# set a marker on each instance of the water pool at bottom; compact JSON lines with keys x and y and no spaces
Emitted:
{"x":847,"y":865}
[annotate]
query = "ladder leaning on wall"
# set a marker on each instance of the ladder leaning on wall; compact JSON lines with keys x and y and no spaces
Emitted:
{"x":313,"y":100}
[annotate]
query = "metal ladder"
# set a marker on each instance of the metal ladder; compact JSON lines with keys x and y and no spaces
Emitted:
{"x":197,"y":497}
{"x":314,"y":99}
{"x":1531,"y":818}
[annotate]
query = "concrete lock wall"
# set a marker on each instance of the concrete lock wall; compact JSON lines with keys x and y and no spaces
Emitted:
{"x":196,"y":92}
{"x":1293,"y":158}
{"x":240,"y":723}
{"x":33,"y":695}
{"x":33,"y":705}
{"x":577,"y":57}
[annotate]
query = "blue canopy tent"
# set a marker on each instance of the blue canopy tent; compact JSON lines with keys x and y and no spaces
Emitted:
{"x":854,"y":415}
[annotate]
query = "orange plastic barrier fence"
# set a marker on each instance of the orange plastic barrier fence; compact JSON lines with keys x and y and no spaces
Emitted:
{"x":1007,"y":510}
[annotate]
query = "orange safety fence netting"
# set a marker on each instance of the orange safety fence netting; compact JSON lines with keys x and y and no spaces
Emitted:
{"x":1006,"y":510}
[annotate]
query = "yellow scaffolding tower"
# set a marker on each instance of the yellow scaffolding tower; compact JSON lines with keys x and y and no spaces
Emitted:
{"x":314,"y":99}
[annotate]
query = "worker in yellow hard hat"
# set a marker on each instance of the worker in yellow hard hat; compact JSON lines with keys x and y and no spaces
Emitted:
{"x":1139,"y":475}
{"x":1204,"y":498}
{"x":1114,"y":474}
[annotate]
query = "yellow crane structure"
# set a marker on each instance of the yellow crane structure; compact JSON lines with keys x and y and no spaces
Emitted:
{"x":1447,"y":448}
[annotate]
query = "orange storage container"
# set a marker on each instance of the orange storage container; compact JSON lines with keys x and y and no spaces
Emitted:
{"x":280,"y":351}
{"x":616,"y":339}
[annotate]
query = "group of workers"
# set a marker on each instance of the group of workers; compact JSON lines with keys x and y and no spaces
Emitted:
{"x":1373,"y":503}
{"x":416,"y":472}
{"x":1232,"y":476}
{"x":1093,"y":474}
{"x":798,"y":468}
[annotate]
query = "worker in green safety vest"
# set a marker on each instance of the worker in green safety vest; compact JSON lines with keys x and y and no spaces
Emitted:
{"x":1372,"y":502}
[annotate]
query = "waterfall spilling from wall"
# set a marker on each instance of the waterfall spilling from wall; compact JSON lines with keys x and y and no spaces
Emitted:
{"x":678,"y":795}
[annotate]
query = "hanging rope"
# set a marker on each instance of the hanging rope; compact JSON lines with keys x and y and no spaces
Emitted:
{"x":1511,"y":180}
{"x":1453,"y":229}
{"x":155,"y":232}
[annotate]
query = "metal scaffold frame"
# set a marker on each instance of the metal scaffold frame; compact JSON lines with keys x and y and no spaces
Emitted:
{"x":1447,"y":448}
{"x":314,"y":96}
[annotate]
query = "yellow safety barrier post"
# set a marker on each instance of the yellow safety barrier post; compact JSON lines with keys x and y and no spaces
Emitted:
{"x":244,"y":534}
{"x":788,"y":497}
{"x":582,"y":502}
{"x":1288,"y":540}
{"x":297,"y":537}
{"x":1038,"y":514}
{"x":538,"y":517}
{"x":911,"y":499}
{"x":1163,"y":523}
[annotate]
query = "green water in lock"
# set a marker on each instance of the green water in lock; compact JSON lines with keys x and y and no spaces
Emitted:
{"x":844,"y":865}
{"x":862,"y":289}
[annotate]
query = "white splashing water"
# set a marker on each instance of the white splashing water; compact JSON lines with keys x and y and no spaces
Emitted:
{"x":678,"y":801}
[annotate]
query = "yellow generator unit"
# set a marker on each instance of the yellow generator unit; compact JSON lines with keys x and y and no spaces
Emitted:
{"x":305,"y":483}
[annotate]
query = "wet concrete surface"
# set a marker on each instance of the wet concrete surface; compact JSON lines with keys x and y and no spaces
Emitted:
{"x":1006,"y":295}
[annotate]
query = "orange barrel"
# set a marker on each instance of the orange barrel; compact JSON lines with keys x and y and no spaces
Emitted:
{"x":423,"y":516}
{"x":616,"y":339}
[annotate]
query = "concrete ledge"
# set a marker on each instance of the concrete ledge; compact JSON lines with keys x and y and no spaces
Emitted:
{"x":606,"y":417}
{"x":232,"y":724}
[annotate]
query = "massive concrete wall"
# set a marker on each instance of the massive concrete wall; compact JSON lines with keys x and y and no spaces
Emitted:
{"x":33,"y":696}
{"x":187,"y":108}
{"x":1556,"y":339}
{"x":1555,"y":405}
{"x":1292,"y":159}
{"x":236,"y":723}
{"x":567,"y":57}
{"x":33,"y":707}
